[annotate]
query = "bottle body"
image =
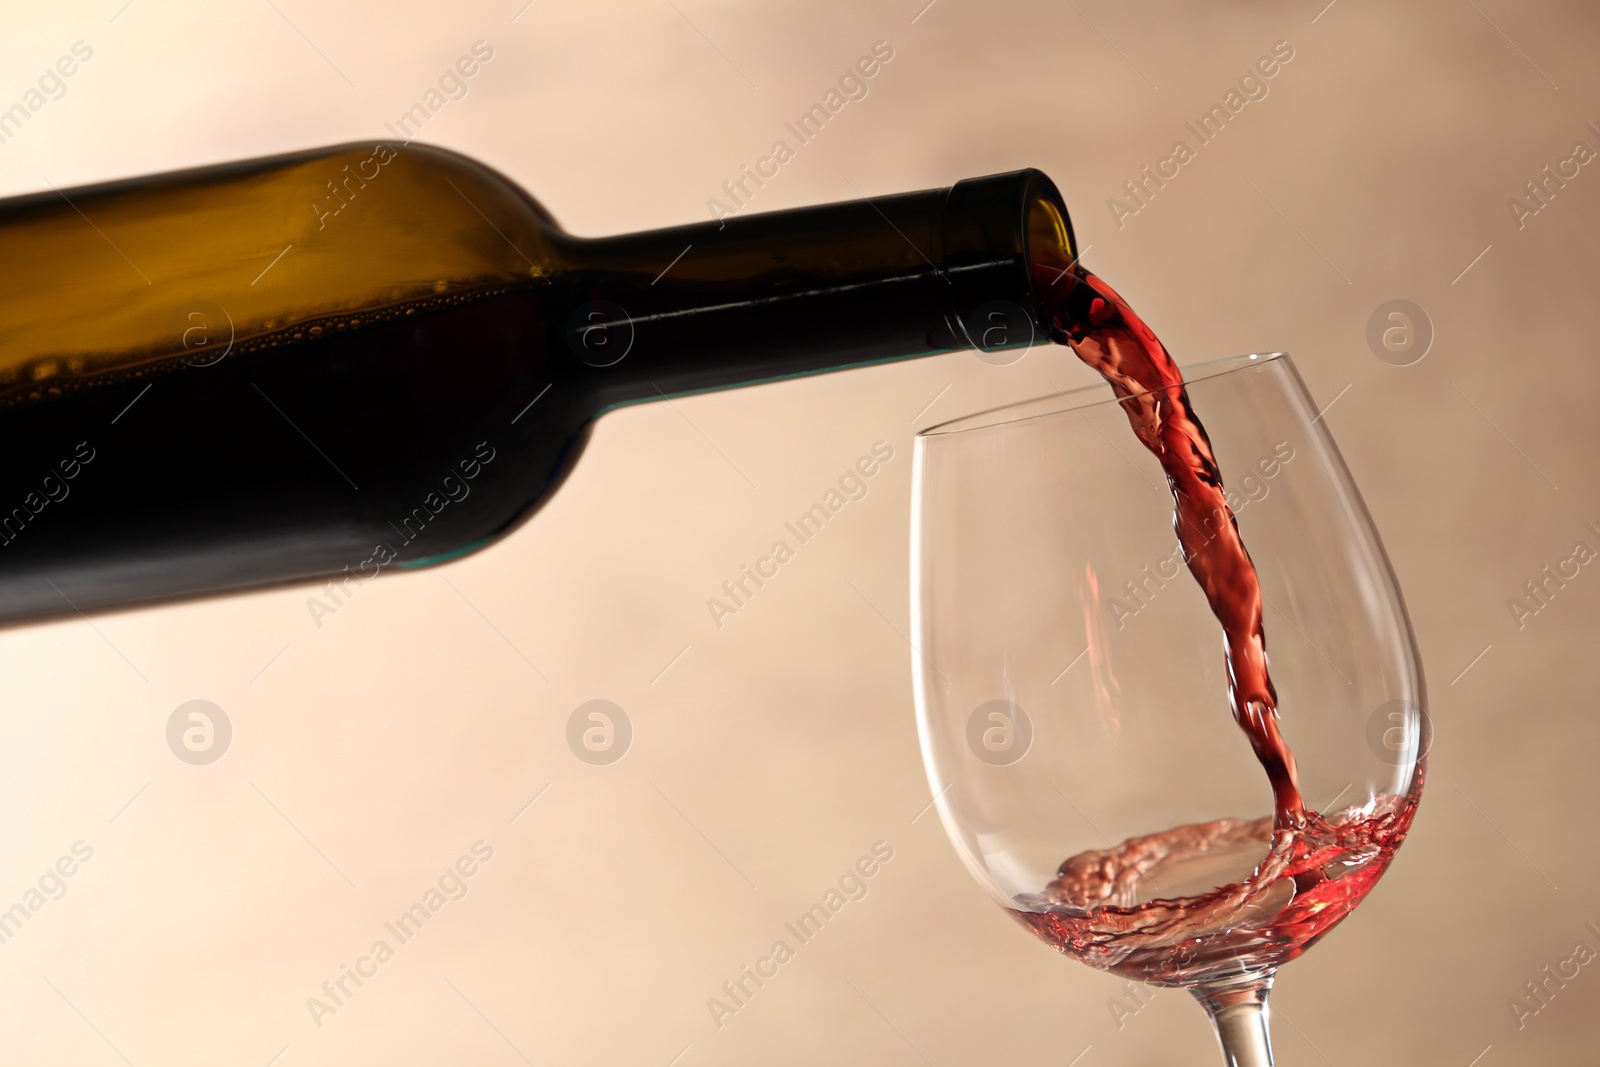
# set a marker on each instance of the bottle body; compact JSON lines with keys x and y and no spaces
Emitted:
{"x":330,"y":365}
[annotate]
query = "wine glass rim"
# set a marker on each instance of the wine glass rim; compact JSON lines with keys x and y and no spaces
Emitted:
{"x":1062,"y":401}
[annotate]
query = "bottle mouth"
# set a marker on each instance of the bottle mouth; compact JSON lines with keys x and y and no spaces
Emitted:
{"x":1049,"y":234}
{"x":996,"y":230}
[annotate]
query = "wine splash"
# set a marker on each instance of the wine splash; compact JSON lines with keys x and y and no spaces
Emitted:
{"x":1311,"y":878}
{"x":1317,"y":867}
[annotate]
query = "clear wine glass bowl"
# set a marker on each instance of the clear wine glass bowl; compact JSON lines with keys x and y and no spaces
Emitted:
{"x":1072,"y":691}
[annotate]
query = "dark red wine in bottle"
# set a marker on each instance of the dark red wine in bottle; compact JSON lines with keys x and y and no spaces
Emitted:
{"x":333,"y":364}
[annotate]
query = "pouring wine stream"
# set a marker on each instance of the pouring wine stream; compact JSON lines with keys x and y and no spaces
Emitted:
{"x":1086,"y":314}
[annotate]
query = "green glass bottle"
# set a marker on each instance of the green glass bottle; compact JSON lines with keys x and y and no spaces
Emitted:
{"x":369,"y":357}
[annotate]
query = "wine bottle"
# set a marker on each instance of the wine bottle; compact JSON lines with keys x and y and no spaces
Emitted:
{"x":331,"y":364}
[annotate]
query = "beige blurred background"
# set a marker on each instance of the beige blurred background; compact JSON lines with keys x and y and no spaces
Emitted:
{"x":372,"y":752}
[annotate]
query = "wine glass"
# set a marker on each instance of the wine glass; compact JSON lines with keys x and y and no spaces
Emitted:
{"x":1072,"y":692}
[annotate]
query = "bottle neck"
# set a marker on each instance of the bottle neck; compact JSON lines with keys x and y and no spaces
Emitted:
{"x":770,"y":296}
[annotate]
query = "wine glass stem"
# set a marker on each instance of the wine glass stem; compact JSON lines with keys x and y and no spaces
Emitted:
{"x":1239,"y":1013}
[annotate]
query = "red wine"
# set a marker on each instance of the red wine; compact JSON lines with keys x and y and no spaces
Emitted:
{"x":1104,"y":331}
{"x":412,"y":448}
{"x":1312,"y":877}
{"x":1316,"y":868}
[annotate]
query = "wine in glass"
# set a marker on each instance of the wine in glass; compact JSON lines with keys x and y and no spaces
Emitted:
{"x":1071,"y":692}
